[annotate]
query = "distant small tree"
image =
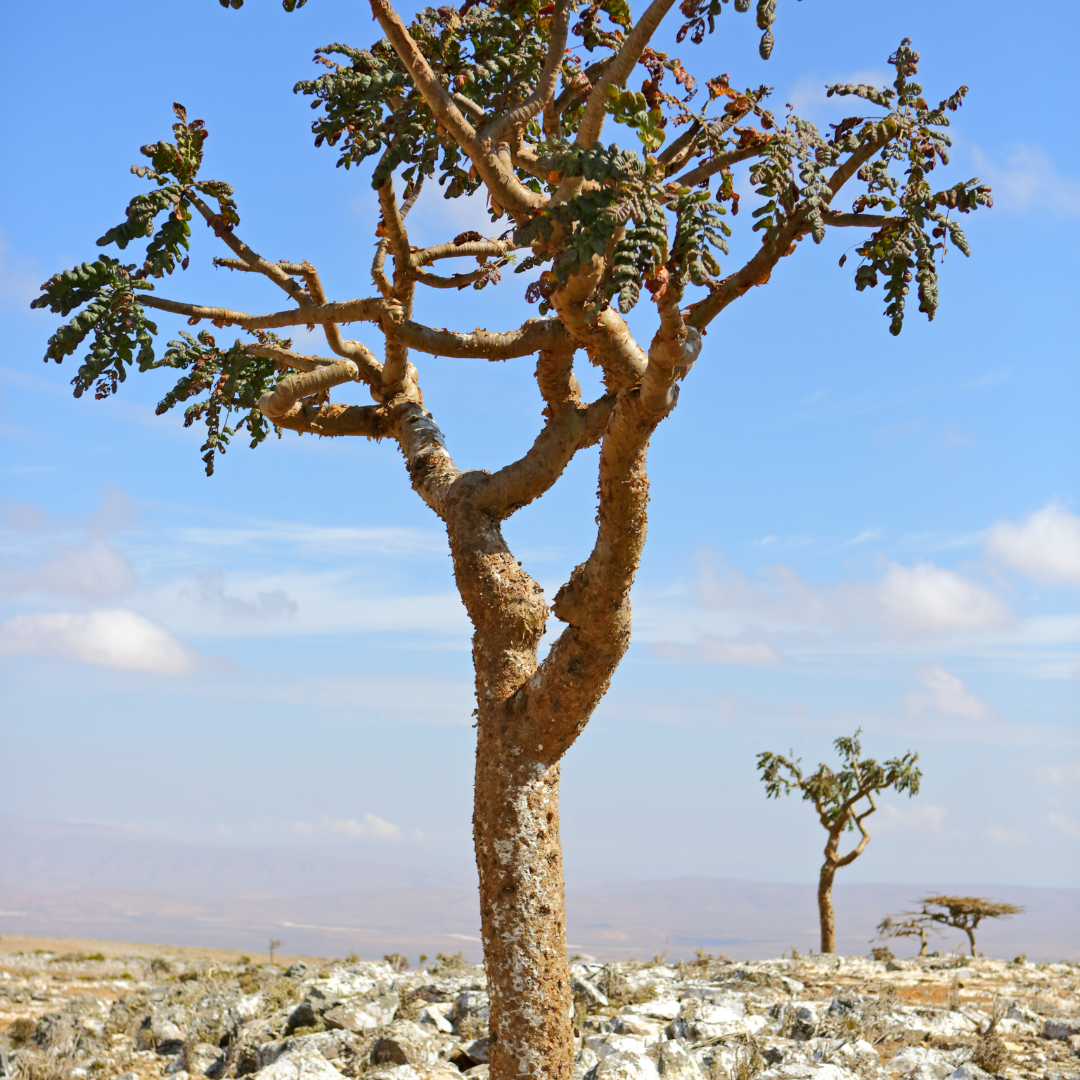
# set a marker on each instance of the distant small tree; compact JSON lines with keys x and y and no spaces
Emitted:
{"x":914,"y":926}
{"x":964,"y":912}
{"x":837,"y":797}
{"x":274,"y":944}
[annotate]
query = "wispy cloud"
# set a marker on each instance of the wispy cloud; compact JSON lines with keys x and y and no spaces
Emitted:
{"x":865,"y":537}
{"x":209,"y":590}
{"x":1069,"y":826}
{"x":998,"y":834}
{"x":370,"y":825}
{"x":947,"y":694}
{"x":1066,"y":774}
{"x":92,"y":572}
{"x":1025,"y":178}
{"x":917,"y":817}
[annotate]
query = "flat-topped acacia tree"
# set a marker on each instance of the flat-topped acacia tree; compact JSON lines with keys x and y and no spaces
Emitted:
{"x":512,"y":97}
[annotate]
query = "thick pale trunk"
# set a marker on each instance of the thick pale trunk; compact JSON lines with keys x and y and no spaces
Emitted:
{"x":825,"y":907}
{"x":523,"y":921}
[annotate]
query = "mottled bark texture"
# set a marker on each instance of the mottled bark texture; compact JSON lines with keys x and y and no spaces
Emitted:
{"x":611,"y":229}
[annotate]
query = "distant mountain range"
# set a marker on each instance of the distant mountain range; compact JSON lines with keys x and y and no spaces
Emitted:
{"x":92,"y":881}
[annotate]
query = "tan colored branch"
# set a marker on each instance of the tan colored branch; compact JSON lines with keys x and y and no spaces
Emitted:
{"x":624,"y":61}
{"x":367,"y":310}
{"x":369,"y":421}
{"x":673,"y":351}
{"x":578,"y":89}
{"x":709,"y":168}
{"x":555,"y":378}
{"x":470,"y":248}
{"x":361,"y":355}
{"x":867,"y":221}
{"x":393,"y":223}
{"x":293,"y":387}
{"x":510,"y":193}
{"x":470,"y":106}
{"x":456,"y":281}
{"x":238,"y":264}
{"x":378,"y":274}
{"x":430,"y":466}
{"x":546,"y":84}
{"x":607,"y":339}
{"x":253,"y":259}
{"x":534,"y":335}
{"x":286,"y":358}
{"x":518,"y":484}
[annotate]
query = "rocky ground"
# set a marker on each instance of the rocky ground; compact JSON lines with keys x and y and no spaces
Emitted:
{"x":89,"y":1017}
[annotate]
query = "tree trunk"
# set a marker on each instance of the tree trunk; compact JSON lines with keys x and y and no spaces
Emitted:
{"x":970,"y":931}
{"x":516,"y":813}
{"x":523,"y":921}
{"x":825,"y":906}
{"x":922,"y":938}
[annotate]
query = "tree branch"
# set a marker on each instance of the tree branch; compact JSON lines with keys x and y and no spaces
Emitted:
{"x":367,"y":310}
{"x":573,"y":428}
{"x":474,"y":248}
{"x":592,"y":123}
{"x":702,"y":172}
{"x":549,"y":78}
{"x":239,"y":264}
{"x":293,"y":387}
{"x":286,"y":358}
{"x":869,"y":221}
{"x":370,"y":421}
{"x":456,"y":281}
{"x":370,"y":368}
{"x":852,"y":855}
{"x":759,"y":268}
{"x":534,"y":335}
{"x":258,"y":264}
{"x":505,"y":188}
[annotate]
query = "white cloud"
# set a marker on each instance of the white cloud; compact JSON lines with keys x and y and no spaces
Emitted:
{"x":910,"y":817}
{"x":715,"y":651}
{"x":1069,"y":826}
{"x":997,"y":834}
{"x":370,"y":826}
{"x":906,"y":600}
{"x":927,"y":597}
{"x":1067,"y":774}
{"x":947,"y":694}
{"x":1028,"y":180}
{"x":1045,"y":546}
{"x":114,"y":638}
{"x":93,"y":572}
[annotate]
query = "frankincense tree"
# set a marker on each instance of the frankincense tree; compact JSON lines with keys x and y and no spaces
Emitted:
{"x":511,"y":98}
{"x":843,"y":800}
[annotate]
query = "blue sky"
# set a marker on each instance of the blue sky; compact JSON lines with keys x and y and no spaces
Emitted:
{"x":846,"y":529}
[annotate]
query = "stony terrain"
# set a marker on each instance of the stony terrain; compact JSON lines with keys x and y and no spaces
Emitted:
{"x":76,"y":1016}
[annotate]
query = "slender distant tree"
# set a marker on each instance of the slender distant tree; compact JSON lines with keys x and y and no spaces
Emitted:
{"x":509,"y":99}
{"x":964,"y":912}
{"x":843,"y":801}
